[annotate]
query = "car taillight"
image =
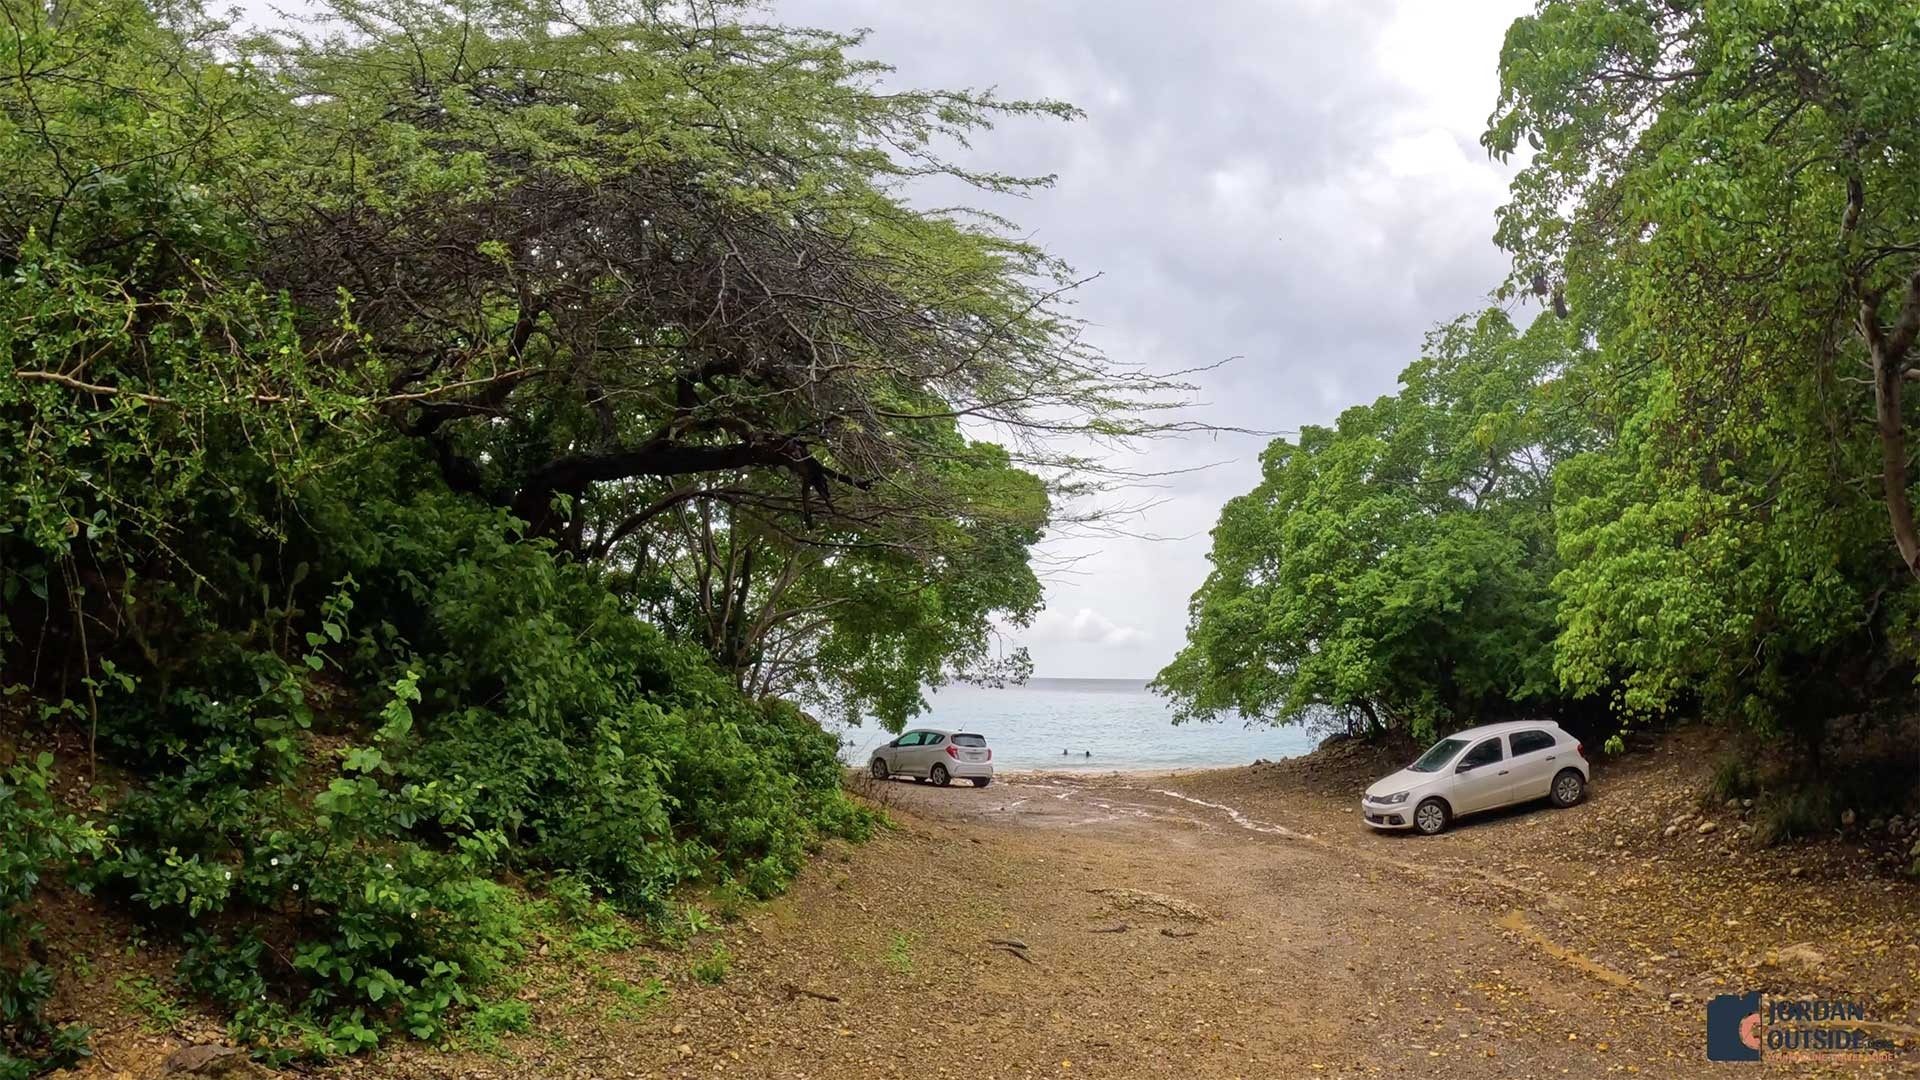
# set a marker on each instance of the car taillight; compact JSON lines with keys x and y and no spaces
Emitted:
{"x":953,"y":752}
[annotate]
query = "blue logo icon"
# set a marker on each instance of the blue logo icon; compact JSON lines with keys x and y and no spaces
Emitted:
{"x":1733,"y":1027}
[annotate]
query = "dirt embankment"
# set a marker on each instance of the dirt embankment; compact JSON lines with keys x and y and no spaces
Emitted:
{"x":1239,"y":923}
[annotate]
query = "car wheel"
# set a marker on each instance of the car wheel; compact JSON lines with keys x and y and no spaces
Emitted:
{"x":1430,"y":817}
{"x":982,"y":781}
{"x":1568,"y":788}
{"x":939,"y":776}
{"x":879,"y":769}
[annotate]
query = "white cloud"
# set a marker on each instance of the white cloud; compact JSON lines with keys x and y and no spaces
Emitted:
{"x":1086,"y":626}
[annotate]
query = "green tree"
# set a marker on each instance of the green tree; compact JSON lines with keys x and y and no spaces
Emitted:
{"x":853,"y":620}
{"x":1725,"y":193}
{"x":1396,"y":568}
{"x":360,"y":390}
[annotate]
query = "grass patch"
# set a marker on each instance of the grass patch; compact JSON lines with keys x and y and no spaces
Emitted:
{"x":631,"y":999}
{"x":713,"y":970}
{"x":489,"y":1021}
{"x":161,"y":1012}
{"x":900,"y":953}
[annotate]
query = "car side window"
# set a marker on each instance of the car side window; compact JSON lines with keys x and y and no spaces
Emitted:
{"x":1526,"y":742}
{"x":1485,"y":753}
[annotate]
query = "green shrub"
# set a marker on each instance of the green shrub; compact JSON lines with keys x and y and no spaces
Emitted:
{"x":713,"y":969}
{"x":36,"y":838}
{"x":1734,"y":777}
{"x":1799,"y":812}
{"x":490,"y":1020}
{"x":349,"y":782}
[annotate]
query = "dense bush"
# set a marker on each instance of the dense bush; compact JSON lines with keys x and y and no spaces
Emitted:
{"x":323,"y":828}
{"x":37,"y":837}
{"x":368,"y":426}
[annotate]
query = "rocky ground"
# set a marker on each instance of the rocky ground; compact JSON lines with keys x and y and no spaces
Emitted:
{"x":1232,"y":923}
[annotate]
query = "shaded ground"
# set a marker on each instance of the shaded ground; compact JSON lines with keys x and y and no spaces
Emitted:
{"x":1266,"y":934}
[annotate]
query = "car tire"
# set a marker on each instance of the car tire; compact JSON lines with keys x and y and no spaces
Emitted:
{"x":1431,"y":817}
{"x":879,"y":769}
{"x":939,"y":776}
{"x":1569,"y":787}
{"x":982,"y":781}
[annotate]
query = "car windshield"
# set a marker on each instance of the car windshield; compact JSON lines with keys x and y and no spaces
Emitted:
{"x":969,"y":740}
{"x":1442,"y":751}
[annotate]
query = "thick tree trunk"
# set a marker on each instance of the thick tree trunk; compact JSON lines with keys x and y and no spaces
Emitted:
{"x":1888,"y":347}
{"x":1888,"y":380}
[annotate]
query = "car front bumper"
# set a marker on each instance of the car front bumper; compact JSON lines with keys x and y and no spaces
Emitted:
{"x":1397,"y":816}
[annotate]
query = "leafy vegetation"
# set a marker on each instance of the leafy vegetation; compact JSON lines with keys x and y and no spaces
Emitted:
{"x":1713,"y":517}
{"x":36,"y":837}
{"x":1396,"y":570}
{"x":438,"y":437}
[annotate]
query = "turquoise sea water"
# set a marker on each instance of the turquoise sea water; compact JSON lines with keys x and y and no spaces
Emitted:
{"x":1119,"y":721}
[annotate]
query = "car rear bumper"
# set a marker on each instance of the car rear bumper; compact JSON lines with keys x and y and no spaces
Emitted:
{"x":1397,"y":816}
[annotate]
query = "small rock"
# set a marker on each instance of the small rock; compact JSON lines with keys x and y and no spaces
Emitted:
{"x":1707,"y":827}
{"x":209,"y":1059}
{"x":1800,"y":953}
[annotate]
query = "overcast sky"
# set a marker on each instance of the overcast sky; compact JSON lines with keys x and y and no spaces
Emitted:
{"x":1297,"y":183}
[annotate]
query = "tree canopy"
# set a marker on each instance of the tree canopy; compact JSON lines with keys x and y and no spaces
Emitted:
{"x":1395,"y":568}
{"x":612,"y":268}
{"x":1718,"y":201}
{"x":445,"y":439}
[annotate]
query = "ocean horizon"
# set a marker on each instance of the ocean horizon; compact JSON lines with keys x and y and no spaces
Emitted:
{"x":1087,"y":724}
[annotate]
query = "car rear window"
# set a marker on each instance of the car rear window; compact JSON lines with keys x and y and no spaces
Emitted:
{"x":1526,"y":742}
{"x":969,"y":740}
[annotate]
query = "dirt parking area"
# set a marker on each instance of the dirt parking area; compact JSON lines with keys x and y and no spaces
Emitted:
{"x":1243,"y":923}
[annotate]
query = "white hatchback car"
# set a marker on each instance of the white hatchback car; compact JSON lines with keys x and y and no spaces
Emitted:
{"x":937,"y":756}
{"x":1480,"y":769}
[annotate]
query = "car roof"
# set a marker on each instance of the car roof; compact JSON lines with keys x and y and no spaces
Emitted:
{"x":1504,"y":727}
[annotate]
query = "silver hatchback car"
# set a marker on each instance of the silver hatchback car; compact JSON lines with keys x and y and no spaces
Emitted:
{"x":1479,"y":769}
{"x":939,"y":756}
